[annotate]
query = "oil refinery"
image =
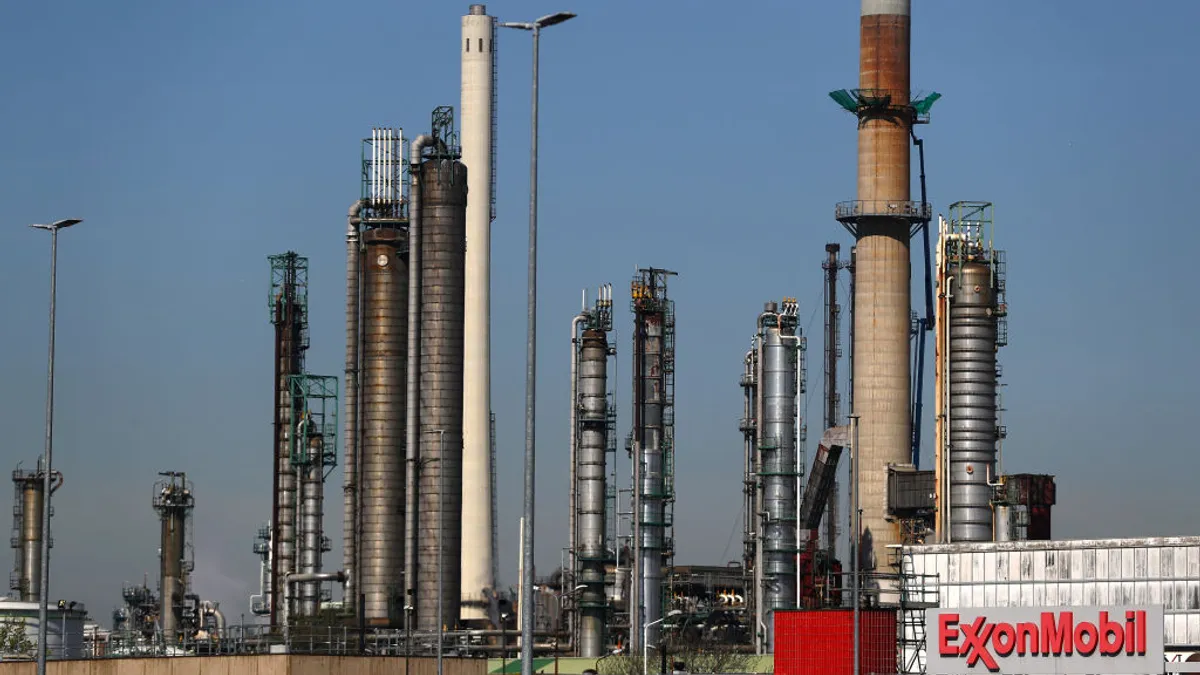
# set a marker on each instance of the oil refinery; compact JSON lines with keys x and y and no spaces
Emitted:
{"x":853,"y":556}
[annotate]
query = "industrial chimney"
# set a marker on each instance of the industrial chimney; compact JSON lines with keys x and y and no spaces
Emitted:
{"x":478,"y":125}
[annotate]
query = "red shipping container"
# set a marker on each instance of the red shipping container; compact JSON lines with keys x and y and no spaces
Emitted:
{"x":821,"y":642}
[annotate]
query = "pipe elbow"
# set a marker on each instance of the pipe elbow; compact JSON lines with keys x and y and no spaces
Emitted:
{"x":354,"y":215}
{"x":414,"y":151}
{"x":58,"y":478}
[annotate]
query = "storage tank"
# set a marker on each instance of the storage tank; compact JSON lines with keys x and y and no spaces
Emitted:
{"x":64,"y":629}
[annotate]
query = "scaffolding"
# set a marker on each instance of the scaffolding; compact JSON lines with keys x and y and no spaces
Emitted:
{"x":918,"y":593}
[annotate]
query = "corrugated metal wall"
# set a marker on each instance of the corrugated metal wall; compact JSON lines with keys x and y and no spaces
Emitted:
{"x":1158,"y":571}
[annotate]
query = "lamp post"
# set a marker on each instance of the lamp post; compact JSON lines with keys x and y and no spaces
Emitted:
{"x":531,"y":348}
{"x":504,"y":642}
{"x":441,"y":533}
{"x":44,"y":599}
{"x":855,"y":538}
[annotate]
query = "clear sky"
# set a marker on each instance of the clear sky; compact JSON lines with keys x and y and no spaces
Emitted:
{"x":197,"y":138}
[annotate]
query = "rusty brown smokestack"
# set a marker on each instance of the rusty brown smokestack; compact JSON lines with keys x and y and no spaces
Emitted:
{"x":881,"y":219}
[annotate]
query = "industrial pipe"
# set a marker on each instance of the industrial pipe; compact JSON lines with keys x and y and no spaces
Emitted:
{"x":210,"y":608}
{"x":294,"y":578}
{"x":350,"y":440}
{"x":412,"y":421}
{"x":573,"y":413}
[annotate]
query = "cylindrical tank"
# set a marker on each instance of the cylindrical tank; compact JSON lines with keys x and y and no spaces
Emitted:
{"x":777,"y":450}
{"x":27,"y":572}
{"x":383,"y":396}
{"x":652,"y":515}
{"x":312,"y":498}
{"x":972,"y":402}
{"x":64,"y":628}
{"x":882,"y":301}
{"x":443,"y":248}
{"x":590,"y":472}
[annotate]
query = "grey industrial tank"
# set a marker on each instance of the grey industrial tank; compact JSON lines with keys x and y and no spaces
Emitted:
{"x":777,"y":447}
{"x":381,"y":449}
{"x":590,"y":473}
{"x":443,"y":263}
{"x":973,"y":428}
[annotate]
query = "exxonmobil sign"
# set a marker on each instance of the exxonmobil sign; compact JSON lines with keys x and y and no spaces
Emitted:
{"x":1045,"y":640}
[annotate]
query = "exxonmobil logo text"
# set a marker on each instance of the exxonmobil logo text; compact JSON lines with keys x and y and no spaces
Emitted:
{"x":1060,"y":639}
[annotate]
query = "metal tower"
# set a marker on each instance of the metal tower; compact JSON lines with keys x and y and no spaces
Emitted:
{"x":313,"y":456}
{"x":653,"y":450}
{"x":288,"y":301}
{"x":971,"y":327}
{"x":174,"y":502}
{"x":591,"y":428}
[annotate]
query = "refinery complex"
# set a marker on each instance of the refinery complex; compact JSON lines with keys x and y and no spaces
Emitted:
{"x":841,"y":523}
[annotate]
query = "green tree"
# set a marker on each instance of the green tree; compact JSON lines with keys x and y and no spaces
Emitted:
{"x":14,"y":641}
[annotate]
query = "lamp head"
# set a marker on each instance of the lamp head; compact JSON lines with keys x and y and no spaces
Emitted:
{"x":58,"y":225}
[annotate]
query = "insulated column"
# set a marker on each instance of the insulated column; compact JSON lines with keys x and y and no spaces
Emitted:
{"x":440,"y":541}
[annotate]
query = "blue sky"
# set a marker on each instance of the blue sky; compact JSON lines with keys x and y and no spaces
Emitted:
{"x":199,"y":138}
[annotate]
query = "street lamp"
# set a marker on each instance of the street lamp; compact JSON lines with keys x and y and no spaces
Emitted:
{"x":504,"y":642}
{"x":441,"y":533}
{"x":531,"y":349}
{"x":646,"y":639}
{"x":44,"y":596}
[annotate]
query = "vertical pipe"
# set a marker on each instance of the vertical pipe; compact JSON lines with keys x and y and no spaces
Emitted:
{"x":413,"y":373}
{"x":882,"y":311}
{"x":350,"y":485}
{"x":573,"y":451}
{"x":832,"y":318}
{"x":475,"y":115}
{"x":530,"y":383}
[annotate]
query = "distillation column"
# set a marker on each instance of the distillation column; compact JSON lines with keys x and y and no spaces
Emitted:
{"x":653,"y":365}
{"x":289,"y":282}
{"x":174,"y":502}
{"x":970,"y":317}
{"x":880,"y":220}
{"x":382,"y":404}
{"x":590,"y":434}
{"x":443,"y":203}
{"x":377,"y":279}
{"x":778,"y":386}
{"x":29,"y":488}
{"x":477,"y":116}
{"x":312,"y":510}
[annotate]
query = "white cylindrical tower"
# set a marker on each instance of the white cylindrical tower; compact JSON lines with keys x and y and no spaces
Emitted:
{"x":477,"y":120}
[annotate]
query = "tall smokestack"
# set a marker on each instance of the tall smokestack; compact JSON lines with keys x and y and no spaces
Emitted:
{"x":881,"y":220}
{"x":477,"y":115}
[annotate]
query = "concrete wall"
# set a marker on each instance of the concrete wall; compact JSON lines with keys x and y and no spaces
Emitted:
{"x":252,"y":665}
